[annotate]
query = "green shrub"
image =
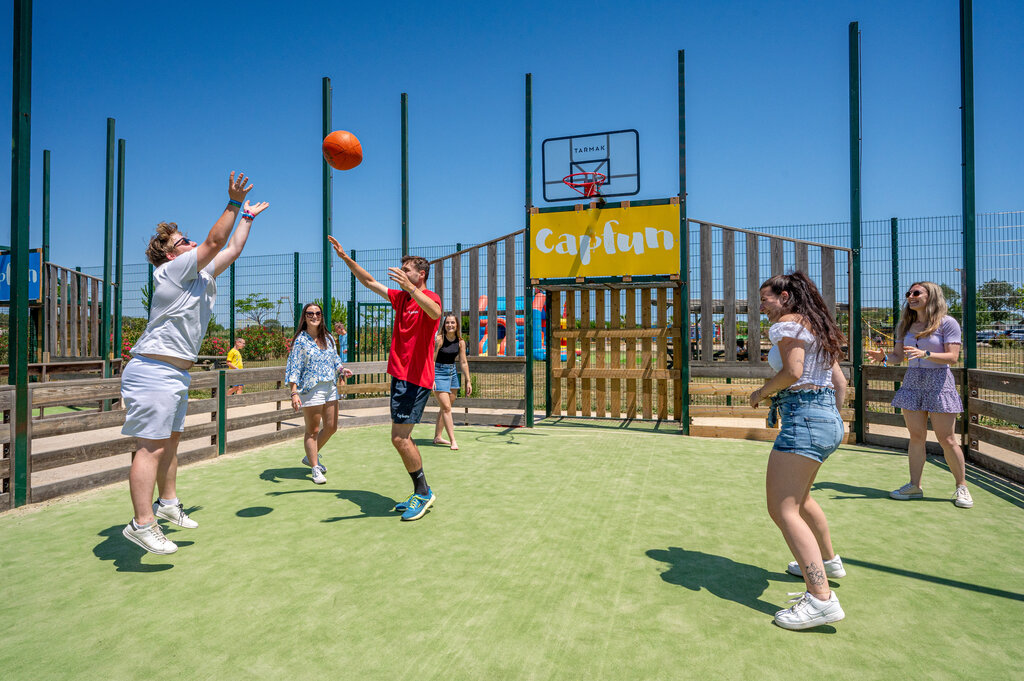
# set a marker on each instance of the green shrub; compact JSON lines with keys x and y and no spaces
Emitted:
{"x":262,"y":343}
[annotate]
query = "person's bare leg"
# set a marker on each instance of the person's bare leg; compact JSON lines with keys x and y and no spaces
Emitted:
{"x":787,"y":481}
{"x":401,"y":439}
{"x":439,"y":426}
{"x":167,"y":471}
{"x":142,"y":478}
{"x":944,"y":426}
{"x":329,"y":413}
{"x":917,"y":424}
{"x":812,"y":514}
{"x":309,"y":440}
{"x":444,"y":400}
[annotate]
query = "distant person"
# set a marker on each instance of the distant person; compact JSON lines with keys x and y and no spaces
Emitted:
{"x":410,"y":362}
{"x":154,"y":385}
{"x":807,"y":389}
{"x":741,"y":349}
{"x":312,"y":375}
{"x":931,"y":340}
{"x":234,"y":360}
{"x":449,"y":348}
{"x":341,"y":333}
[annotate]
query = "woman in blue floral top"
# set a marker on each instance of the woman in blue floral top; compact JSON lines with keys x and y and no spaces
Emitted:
{"x":312,"y":375}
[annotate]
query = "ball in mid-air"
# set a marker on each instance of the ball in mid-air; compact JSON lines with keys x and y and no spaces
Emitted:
{"x":342,"y":150}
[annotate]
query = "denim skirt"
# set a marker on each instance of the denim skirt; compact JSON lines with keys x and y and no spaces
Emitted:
{"x":811,"y":424}
{"x":446,"y":378}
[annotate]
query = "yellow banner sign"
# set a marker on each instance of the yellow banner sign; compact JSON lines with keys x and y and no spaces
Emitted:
{"x":608,"y":242}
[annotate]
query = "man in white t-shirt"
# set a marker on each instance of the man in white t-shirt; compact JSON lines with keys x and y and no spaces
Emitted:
{"x":154,"y":384}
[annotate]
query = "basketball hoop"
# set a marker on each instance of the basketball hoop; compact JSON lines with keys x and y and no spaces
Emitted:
{"x":588,"y":184}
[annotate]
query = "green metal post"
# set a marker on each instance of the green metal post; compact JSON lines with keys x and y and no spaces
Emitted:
{"x":46,"y":206}
{"x":682,"y":355}
{"x":297,"y":304}
{"x":149,"y":283}
{"x":405,"y":174}
{"x":967,"y":148}
{"x":108,"y":244}
{"x":327,"y":210}
{"x":119,"y":256}
{"x":527,"y":242}
{"x":231,"y":304}
{"x":222,"y":412}
{"x":21,"y":149}
{"x":855,"y":342}
{"x":352,"y":321}
{"x":894,"y":231}
{"x":548,"y":310}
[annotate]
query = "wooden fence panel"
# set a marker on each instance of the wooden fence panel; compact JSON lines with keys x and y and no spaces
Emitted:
{"x":457,"y":287}
{"x":728,"y":293}
{"x":492,"y":301}
{"x":585,"y":354}
{"x":828,"y":278}
{"x":554,"y":351}
{"x":802,"y":261}
{"x":706,"y":298}
{"x":616,"y":356}
{"x":439,"y":282}
{"x":631,"y":295}
{"x":662,"y":350}
{"x":474,"y":301}
{"x":94,"y":320}
{"x":601,"y":351}
{"x":753,"y":301}
{"x":646,"y":356}
{"x":570,"y":353}
{"x":511,"y":328}
{"x":681,"y":344}
{"x":778,"y":260}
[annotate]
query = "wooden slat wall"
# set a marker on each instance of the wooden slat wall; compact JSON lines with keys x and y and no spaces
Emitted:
{"x":600,"y":350}
{"x":492,"y":300}
{"x":706,"y":295}
{"x":630,"y":354}
{"x":681,"y":344}
{"x":457,"y":287}
{"x":828,"y":278}
{"x":570,"y":353}
{"x":439,"y":282}
{"x":729,"y":293}
{"x":585,"y":354}
{"x":646,"y":356}
{"x":802,"y":262}
{"x":753,"y":294}
{"x":474,"y":301}
{"x":777,"y":247}
{"x":616,"y":348}
{"x":662,"y":353}
{"x":510,"y":299}
{"x":94,"y":320}
{"x":555,"y":352}
{"x":72,"y":304}
{"x":81,"y":329}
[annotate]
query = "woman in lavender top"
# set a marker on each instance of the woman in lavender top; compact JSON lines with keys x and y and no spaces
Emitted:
{"x":930,"y":339}
{"x":312,"y":375}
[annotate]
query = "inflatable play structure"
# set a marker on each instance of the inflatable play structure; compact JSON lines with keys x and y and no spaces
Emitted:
{"x":501,"y":335}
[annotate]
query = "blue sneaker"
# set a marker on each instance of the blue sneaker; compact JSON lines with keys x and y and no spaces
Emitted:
{"x":402,"y":505}
{"x":417,"y":505}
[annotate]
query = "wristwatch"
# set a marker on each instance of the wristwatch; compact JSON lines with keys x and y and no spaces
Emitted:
{"x":927,"y":353}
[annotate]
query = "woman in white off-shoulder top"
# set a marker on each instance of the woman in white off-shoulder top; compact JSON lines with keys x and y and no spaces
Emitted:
{"x":807,"y":345}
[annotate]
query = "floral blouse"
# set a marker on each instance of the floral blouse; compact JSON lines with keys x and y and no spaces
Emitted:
{"x":309,"y":365}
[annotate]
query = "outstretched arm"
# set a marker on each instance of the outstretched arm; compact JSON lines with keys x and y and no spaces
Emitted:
{"x":362,"y":275}
{"x":426,"y":303}
{"x":234,"y":248}
{"x":221,"y":230}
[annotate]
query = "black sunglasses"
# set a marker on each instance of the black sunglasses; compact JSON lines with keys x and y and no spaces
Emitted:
{"x":314,"y":314}
{"x":913,"y":294}
{"x":183,"y":240}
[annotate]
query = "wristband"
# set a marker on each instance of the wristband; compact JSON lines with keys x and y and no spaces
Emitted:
{"x":294,"y":394}
{"x":232,"y":202}
{"x":248,"y":216}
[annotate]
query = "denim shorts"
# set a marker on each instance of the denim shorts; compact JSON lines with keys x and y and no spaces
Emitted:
{"x":446,"y":378}
{"x":811,"y":424}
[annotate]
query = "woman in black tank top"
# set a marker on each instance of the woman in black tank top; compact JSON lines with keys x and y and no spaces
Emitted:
{"x":448,"y":347}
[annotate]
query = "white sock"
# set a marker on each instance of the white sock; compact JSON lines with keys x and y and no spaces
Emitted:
{"x":168,"y":502}
{"x":136,"y":526}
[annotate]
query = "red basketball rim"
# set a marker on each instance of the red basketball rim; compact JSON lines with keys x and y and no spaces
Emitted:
{"x":588,"y":184}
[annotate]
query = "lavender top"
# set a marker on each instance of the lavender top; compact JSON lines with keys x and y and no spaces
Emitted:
{"x":948,"y":332}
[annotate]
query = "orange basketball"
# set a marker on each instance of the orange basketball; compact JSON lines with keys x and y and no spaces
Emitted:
{"x":342,"y":150}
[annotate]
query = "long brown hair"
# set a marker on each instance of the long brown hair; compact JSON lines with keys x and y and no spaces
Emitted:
{"x":322,"y":334}
{"x":805,"y":300}
{"x":458,"y":327}
{"x":934,"y":310}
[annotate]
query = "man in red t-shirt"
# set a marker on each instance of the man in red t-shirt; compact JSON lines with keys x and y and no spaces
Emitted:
{"x":410,"y":362}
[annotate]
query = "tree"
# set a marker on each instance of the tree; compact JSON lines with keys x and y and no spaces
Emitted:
{"x":999,"y":301}
{"x":339,"y":312}
{"x":255,"y":307}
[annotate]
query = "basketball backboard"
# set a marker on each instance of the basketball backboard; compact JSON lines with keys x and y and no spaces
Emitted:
{"x":616,"y":155}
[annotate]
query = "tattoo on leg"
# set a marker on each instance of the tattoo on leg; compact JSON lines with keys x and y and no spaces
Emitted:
{"x":815,"y":575}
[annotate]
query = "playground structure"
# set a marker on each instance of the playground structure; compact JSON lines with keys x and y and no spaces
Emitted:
{"x":540,"y":327}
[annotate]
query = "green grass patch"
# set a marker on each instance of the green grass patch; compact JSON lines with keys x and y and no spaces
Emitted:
{"x":553,"y":553}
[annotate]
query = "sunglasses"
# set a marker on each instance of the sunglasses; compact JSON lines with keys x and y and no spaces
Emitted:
{"x":183,"y":240}
{"x":913,"y":294}
{"x":314,"y":314}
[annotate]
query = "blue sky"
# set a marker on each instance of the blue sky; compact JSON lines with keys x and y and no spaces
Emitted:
{"x":199,"y":91}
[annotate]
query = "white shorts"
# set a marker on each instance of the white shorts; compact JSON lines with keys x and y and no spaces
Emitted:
{"x":155,"y":396}
{"x":321,"y":393}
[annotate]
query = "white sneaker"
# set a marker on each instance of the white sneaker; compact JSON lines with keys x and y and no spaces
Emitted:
{"x":318,"y":475}
{"x":833,"y":568}
{"x":175,"y":513}
{"x":962,"y":498}
{"x":908,"y":491}
{"x":810,"y":612}
{"x":319,"y":460}
{"x":150,"y":538}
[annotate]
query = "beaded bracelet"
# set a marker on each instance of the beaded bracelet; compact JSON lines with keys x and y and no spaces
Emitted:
{"x":232,"y":202}
{"x":248,"y":216}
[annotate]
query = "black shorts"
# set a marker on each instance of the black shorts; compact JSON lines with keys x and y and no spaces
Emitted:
{"x":407,"y":401}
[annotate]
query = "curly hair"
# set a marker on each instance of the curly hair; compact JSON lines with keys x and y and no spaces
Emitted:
{"x":805,"y":300}
{"x":934,"y":310}
{"x":160,"y":245}
{"x":419,"y":262}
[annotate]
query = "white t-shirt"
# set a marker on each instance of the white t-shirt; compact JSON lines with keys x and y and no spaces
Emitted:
{"x":180,"y":307}
{"x":817,"y":368}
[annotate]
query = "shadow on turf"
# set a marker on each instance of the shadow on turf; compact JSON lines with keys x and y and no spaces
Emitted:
{"x":371,"y":504}
{"x":290,"y":473}
{"x":127,"y":557}
{"x":723,"y":577}
{"x":967,"y":586}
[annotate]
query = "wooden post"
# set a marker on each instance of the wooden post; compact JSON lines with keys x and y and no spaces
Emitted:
{"x":492,"y":300}
{"x":728,"y":293}
{"x":511,"y":327}
{"x":555,"y":352}
{"x":474,"y":301}
{"x":616,"y":348}
{"x":631,"y":354}
{"x":646,"y":356}
{"x":662,"y":363}
{"x":570,"y":352}
{"x":706,"y":297}
{"x":753,"y":301}
{"x":585,"y":351}
{"x":601,"y":350}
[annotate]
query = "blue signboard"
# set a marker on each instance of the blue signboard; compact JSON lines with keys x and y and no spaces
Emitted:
{"x":35,"y":277}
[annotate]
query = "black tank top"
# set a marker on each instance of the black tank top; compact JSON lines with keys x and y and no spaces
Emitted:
{"x":448,"y":351}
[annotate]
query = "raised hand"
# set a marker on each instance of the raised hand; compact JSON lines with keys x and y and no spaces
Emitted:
{"x":876,"y":355}
{"x":236,"y":188}
{"x":398,"y":275}
{"x":255,"y":208}
{"x":337,"y":247}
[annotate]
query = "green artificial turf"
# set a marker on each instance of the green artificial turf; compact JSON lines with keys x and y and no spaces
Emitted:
{"x":553,"y":553}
